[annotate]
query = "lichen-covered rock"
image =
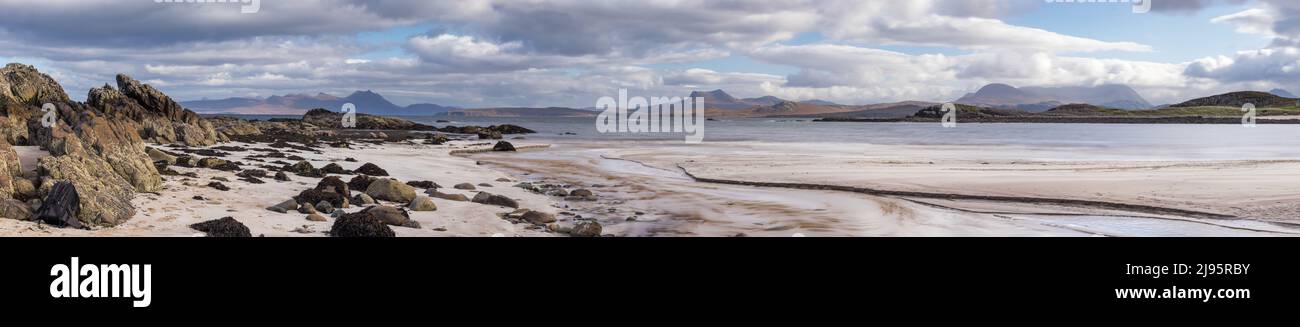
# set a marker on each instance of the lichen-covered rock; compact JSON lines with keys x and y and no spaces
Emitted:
{"x":391,"y":190}
{"x":15,"y":209}
{"x":423,"y":203}
{"x":105,"y":194}
{"x":23,"y":84}
{"x":586,"y":229}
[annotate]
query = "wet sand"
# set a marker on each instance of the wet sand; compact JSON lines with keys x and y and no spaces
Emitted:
{"x":1066,"y":195}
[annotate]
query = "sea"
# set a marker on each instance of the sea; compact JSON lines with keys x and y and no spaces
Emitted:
{"x":1115,"y":141}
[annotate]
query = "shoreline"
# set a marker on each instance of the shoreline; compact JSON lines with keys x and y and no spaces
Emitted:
{"x":1074,"y":120}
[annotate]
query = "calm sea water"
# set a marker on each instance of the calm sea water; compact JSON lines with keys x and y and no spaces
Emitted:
{"x":1159,"y":141}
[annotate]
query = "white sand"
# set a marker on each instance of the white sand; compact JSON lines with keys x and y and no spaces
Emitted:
{"x":648,"y":176}
{"x":645,"y":180}
{"x":172,"y":211}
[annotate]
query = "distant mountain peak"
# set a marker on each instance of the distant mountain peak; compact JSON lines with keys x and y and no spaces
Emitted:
{"x":1035,"y":99}
{"x":366,"y":101}
{"x":1282,"y":93}
{"x":716,"y":95}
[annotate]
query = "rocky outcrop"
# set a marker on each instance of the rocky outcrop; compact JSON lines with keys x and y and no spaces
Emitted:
{"x":24,"y":85}
{"x":160,"y":119}
{"x":334,"y":120}
{"x":505,"y":129}
{"x":103,"y":158}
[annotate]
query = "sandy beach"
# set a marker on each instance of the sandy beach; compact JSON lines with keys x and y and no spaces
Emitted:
{"x":171,"y":211}
{"x":654,"y":188}
{"x":958,"y":190}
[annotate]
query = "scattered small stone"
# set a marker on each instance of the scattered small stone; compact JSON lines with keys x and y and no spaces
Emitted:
{"x":284,"y":207}
{"x":504,"y":180}
{"x":493,"y":199}
{"x":464,"y":186}
{"x":445,"y":196}
{"x":484,"y":185}
{"x":586,"y":229}
{"x":281,"y":176}
{"x":423,"y":203}
{"x":538,"y":217}
{"x":199,"y":197}
{"x":423,"y":184}
{"x":304,"y":208}
{"x":411,"y":224}
{"x":363,"y":199}
{"x":219,"y":186}
{"x":324,"y":206}
{"x":221,"y":179}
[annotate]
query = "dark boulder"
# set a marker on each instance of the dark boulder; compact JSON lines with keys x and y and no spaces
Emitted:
{"x":305,"y":169}
{"x":372,"y":170}
{"x":330,"y":189}
{"x":360,"y":224}
{"x":224,"y":227}
{"x":493,"y":199}
{"x":219,"y":186}
{"x":504,"y":146}
{"x":490,"y":135}
{"x":334,"y":168}
{"x":424,"y":184}
{"x":361,"y":182}
{"x":61,"y":206}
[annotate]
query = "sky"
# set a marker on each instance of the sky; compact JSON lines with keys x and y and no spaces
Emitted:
{"x":492,"y":53}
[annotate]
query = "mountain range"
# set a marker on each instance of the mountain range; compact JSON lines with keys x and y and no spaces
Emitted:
{"x":1039,"y":99}
{"x":296,"y":104}
{"x":1282,"y":93}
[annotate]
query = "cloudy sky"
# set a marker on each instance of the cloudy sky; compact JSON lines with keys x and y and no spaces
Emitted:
{"x":478,"y":53}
